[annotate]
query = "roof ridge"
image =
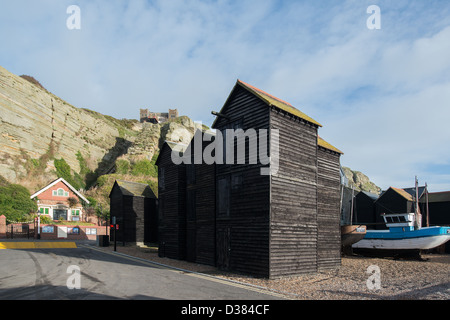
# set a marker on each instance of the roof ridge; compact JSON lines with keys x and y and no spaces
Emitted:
{"x":402,"y":192}
{"x":267,"y":94}
{"x":277,"y":102}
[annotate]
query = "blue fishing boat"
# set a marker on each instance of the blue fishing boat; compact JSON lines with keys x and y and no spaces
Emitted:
{"x":403,"y":234}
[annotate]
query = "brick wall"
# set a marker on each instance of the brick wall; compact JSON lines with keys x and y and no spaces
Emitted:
{"x":2,"y":227}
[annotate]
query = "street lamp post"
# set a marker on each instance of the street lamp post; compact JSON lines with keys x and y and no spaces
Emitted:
{"x":39,"y":224}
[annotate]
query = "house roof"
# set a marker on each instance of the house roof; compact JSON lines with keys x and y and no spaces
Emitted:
{"x":135,"y":189}
{"x":370,"y":195}
{"x":326,"y":145}
{"x":55,"y":182}
{"x":403,"y":193}
{"x":274,"y":101}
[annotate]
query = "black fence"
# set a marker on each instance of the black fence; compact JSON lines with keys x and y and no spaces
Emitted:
{"x":19,"y":231}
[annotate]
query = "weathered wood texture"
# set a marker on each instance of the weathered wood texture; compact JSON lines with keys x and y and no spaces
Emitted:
{"x":240,"y":220}
{"x":172,"y":206}
{"x":151,"y":221}
{"x":364,"y":208}
{"x":201,"y":209}
{"x":135,"y":215}
{"x":116,"y":209}
{"x":328,"y":214}
{"x":243,"y":229}
{"x":293,"y":248}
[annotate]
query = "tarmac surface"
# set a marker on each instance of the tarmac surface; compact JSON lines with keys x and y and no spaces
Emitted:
{"x":68,"y":270}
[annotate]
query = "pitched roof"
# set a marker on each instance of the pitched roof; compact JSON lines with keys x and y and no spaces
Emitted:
{"x":368,"y":194}
{"x":51,"y":184}
{"x":326,"y":145}
{"x":274,"y":101}
{"x":135,"y":189}
{"x":403,"y":193}
{"x":181,"y":148}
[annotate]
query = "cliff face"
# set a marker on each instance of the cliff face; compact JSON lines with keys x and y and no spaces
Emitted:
{"x":360,"y":181}
{"x":37,"y":127}
{"x":35,"y":124}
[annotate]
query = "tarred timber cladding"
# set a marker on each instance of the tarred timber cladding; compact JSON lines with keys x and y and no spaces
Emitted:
{"x":172,"y":207}
{"x":201,"y":211}
{"x":243,"y":235}
{"x":134,"y":206}
{"x":328,"y":217}
{"x":117,"y":209}
{"x":293,"y":226}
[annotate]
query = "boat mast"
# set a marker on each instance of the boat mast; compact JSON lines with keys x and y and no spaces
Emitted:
{"x":417,"y":215}
{"x":351,"y":209}
{"x":428,"y":211}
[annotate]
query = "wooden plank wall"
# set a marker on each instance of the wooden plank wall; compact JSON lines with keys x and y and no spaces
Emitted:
{"x":201,"y":232}
{"x":172,"y":203}
{"x":116,"y":205}
{"x":150,"y":221}
{"x":206,"y":214}
{"x":328,"y":216}
{"x":364,"y":209}
{"x":243,"y":234}
{"x":293,"y":233}
{"x":137,"y":218}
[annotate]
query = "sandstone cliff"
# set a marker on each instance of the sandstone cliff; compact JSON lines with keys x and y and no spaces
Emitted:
{"x":360,"y":181}
{"x":37,"y":127}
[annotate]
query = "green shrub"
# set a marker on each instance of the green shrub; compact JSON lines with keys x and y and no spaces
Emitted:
{"x":84,"y":169}
{"x":64,"y":171}
{"x":15,"y":202}
{"x":46,"y":220}
{"x":144,"y":167}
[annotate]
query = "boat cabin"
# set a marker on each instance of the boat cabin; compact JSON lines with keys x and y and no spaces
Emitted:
{"x":399,"y":222}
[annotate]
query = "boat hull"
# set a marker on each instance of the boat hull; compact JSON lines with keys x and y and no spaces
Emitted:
{"x":423,"y":239}
{"x":351,"y":234}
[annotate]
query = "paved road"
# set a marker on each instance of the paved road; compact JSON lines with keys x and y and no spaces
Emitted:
{"x":38,"y":274}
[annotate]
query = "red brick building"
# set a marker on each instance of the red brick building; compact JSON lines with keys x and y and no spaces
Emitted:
{"x":59,"y":200}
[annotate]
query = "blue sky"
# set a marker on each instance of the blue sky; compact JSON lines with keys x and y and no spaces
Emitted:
{"x":383,"y":96}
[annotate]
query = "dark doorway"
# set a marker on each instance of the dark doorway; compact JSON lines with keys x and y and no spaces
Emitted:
{"x":59,"y":214}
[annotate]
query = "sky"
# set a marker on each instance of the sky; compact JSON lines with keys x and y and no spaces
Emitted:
{"x":382,"y":94}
